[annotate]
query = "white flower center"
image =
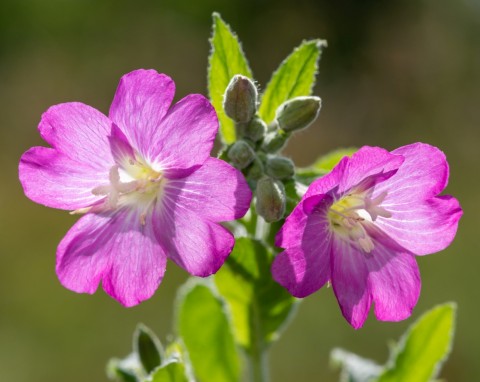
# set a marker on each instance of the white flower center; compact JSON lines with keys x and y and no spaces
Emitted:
{"x":133,"y":183}
{"x":349,"y":215}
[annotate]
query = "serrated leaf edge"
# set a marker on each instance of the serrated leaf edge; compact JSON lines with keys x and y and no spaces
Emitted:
{"x":319,"y":44}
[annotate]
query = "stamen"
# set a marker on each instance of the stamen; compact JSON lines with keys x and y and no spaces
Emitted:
{"x":366,"y":244}
{"x":80,"y":211}
{"x":349,"y":215}
{"x":143,"y":218}
{"x":339,"y":213}
{"x":140,"y":186}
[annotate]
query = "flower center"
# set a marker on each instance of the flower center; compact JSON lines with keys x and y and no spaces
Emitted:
{"x":349,"y":215}
{"x":133,"y":182}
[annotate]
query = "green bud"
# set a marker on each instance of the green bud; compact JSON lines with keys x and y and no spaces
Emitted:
{"x":270,"y":199}
{"x":256,"y":129}
{"x":254,"y":172}
{"x":298,"y":113}
{"x":280,"y":167}
{"x":240,"y":100}
{"x":241,"y":154}
{"x":275,"y":141}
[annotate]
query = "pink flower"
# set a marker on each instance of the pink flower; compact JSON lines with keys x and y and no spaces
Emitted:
{"x":144,"y":179}
{"x":360,"y":227}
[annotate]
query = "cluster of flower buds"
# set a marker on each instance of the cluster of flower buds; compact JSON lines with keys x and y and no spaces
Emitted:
{"x":256,"y":150}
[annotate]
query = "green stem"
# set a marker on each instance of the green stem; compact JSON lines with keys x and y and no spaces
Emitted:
{"x":262,"y":229}
{"x":258,"y":367}
{"x":258,"y":354}
{"x":257,"y":357}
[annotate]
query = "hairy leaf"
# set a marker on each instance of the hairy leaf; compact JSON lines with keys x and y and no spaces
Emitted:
{"x":226,"y":60}
{"x":295,"y":77}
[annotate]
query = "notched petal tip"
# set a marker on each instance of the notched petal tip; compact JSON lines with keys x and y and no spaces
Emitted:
{"x":147,"y":75}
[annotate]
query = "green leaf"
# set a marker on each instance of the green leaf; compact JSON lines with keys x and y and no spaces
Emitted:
{"x":423,"y":348}
{"x":295,"y":77}
{"x":327,"y":162}
{"x":259,"y":306}
{"x":124,"y":370}
{"x":226,"y":60}
{"x":203,"y":325}
{"x":354,"y":367}
{"x":171,"y":372}
{"x":322,"y":165}
{"x":148,"y":348}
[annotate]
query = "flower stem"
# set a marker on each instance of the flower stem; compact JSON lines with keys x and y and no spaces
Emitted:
{"x":262,"y":229}
{"x":258,"y":369}
{"x":258,"y":353}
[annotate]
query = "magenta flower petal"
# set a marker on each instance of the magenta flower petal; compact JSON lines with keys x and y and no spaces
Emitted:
{"x":80,"y":132}
{"x":141,"y":101}
{"x":138,"y":261}
{"x":423,"y":174}
{"x":423,"y":227}
{"x":81,"y":262}
{"x":305,"y":266}
{"x":329,"y":181}
{"x":115,"y":249}
{"x":54,"y":180}
{"x":197,"y":245}
{"x":376,"y":211}
{"x":349,"y":282}
{"x":216,"y":191}
{"x":185,"y":136}
{"x":421,"y":221}
{"x":395,"y":283}
{"x":146,"y":182}
{"x":366,"y":162}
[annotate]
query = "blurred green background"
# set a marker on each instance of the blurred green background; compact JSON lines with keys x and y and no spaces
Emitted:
{"x":394,"y":73}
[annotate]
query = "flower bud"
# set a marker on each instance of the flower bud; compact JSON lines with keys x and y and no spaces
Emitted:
{"x":298,"y":113}
{"x":280,"y":167}
{"x":275,"y":141}
{"x":241,"y":154}
{"x":240,"y":100}
{"x":256,"y":129}
{"x":254,"y":172}
{"x":270,"y":199}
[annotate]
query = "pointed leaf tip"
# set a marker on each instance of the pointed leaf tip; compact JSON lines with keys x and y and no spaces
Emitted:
{"x":294,"y":77}
{"x":226,"y":60}
{"x":148,"y":347}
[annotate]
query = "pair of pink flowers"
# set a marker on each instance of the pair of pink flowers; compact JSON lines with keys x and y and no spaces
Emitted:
{"x":144,"y":179}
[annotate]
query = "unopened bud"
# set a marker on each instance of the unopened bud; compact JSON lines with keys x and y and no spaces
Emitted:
{"x":270,"y":199}
{"x":240,"y":100}
{"x":241,"y":154}
{"x":275,"y":141}
{"x":280,"y":167}
{"x":256,"y":129}
{"x":254,"y":172}
{"x":298,"y":113}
